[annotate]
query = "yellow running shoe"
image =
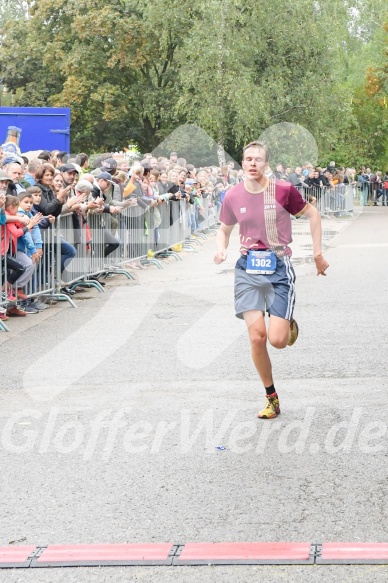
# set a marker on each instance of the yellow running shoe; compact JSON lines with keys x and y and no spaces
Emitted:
{"x":271,"y":409}
{"x":294,"y":329}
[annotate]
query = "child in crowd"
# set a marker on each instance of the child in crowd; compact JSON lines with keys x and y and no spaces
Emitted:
{"x":147,"y":190}
{"x":20,"y":267}
{"x":36,"y":194}
{"x":32,"y":245}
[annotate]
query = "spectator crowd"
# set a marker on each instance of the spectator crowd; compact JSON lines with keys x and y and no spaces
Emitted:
{"x":35,"y":191}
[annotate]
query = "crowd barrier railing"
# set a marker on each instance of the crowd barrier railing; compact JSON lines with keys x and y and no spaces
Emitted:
{"x":371,"y":193}
{"x":79,"y":248}
{"x":43,"y":278}
{"x":40,"y":272}
{"x":3,"y":282}
{"x":338,"y":200}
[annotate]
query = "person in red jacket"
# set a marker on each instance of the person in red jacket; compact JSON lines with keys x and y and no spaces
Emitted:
{"x":18,"y":270}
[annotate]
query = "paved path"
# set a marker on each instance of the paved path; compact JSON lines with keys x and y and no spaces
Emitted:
{"x":111,"y":414}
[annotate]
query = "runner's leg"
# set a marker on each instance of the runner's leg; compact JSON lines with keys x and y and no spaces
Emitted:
{"x":278,"y":332}
{"x":254,"y":320}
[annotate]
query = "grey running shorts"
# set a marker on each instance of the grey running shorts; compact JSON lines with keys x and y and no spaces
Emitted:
{"x":273,"y":293}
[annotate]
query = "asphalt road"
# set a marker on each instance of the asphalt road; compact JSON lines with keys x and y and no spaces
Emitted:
{"x":111,"y":415}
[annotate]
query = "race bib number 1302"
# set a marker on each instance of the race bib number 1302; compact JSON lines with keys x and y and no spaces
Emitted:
{"x":261,"y":262}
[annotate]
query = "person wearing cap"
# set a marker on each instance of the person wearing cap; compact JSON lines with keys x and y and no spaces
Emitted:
{"x":69,"y":173}
{"x":103,"y":188}
{"x":99,"y":206}
{"x":4,"y":181}
{"x":173,"y":157}
{"x":83,"y":205}
{"x":14,"y":171}
{"x":111,"y":190}
{"x":10,"y":157}
{"x":109,"y":165}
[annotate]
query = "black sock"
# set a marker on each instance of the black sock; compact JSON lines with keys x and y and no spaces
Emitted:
{"x":270,"y":390}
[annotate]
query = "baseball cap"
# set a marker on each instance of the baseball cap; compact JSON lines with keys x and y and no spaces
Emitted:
{"x":105,"y":176}
{"x":173,"y":153}
{"x":11,"y":159}
{"x":109,"y":164}
{"x":3,"y":176}
{"x":68,"y":168}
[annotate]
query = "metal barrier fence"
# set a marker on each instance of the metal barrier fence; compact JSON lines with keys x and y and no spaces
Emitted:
{"x":371,"y":193}
{"x":38,"y":278}
{"x":341,"y":198}
{"x":3,"y":281}
{"x":330,"y":200}
{"x":79,"y":248}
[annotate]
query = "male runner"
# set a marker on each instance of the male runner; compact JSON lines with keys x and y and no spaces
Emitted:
{"x":264,"y":276}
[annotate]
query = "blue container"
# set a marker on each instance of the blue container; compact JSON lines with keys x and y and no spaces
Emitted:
{"x":42,"y":128}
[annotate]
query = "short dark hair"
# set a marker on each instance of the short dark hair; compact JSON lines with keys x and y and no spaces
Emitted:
{"x":24,"y":194}
{"x":81,"y":159}
{"x":257,"y":145}
{"x":34,"y":190}
{"x":61,"y":155}
{"x":45,"y":155}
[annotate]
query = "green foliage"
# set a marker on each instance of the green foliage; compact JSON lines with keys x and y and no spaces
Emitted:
{"x":135,"y":70}
{"x":12,"y":10}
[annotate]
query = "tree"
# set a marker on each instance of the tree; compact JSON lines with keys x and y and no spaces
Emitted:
{"x":366,"y":135}
{"x":103,"y":60}
{"x":135,"y":70}
{"x":275,"y":66}
{"x":11,"y":10}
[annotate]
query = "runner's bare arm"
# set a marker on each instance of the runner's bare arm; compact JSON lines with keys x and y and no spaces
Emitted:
{"x":316,"y":233}
{"x":222,"y":242}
